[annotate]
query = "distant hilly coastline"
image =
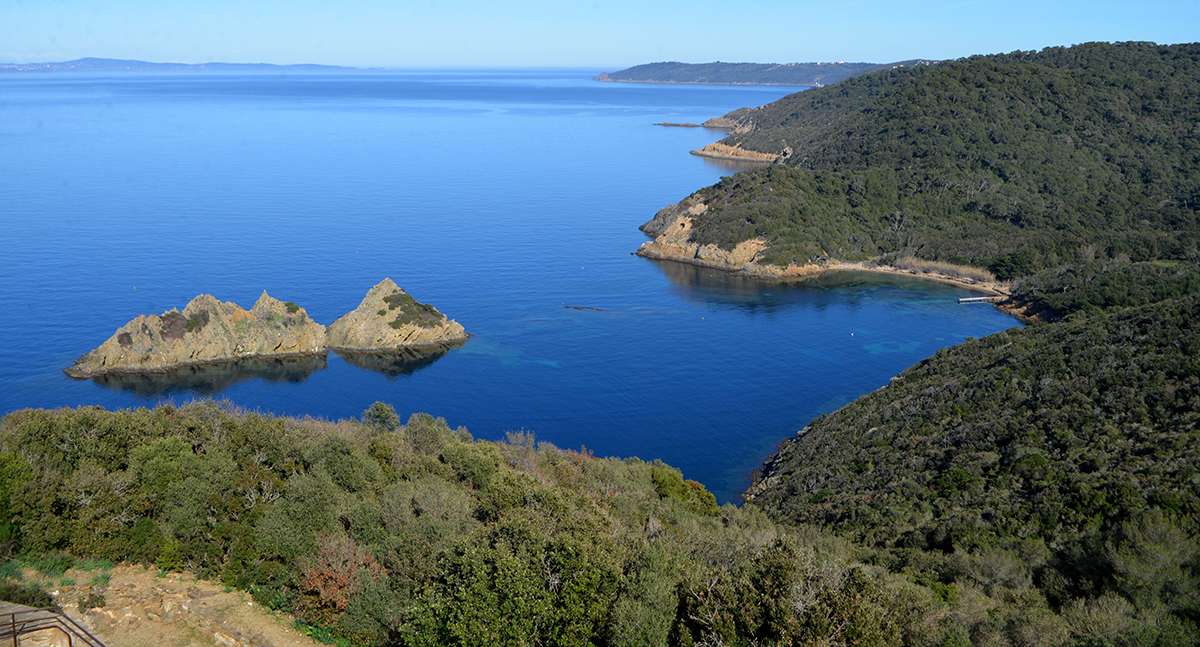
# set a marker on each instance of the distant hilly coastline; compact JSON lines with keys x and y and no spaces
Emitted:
{"x":86,"y":65}
{"x":719,"y":73}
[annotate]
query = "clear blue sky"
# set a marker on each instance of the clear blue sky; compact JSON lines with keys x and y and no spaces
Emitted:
{"x":595,"y":33}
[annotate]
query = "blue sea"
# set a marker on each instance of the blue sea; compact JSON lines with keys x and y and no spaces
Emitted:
{"x":509,"y":200}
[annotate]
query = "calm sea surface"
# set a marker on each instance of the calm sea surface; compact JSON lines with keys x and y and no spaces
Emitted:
{"x":501,"y":198}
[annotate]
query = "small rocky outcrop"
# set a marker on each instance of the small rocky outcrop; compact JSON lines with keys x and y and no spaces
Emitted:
{"x":739,"y":122}
{"x":388,"y":319}
{"x":207,"y":330}
{"x":718,"y":150}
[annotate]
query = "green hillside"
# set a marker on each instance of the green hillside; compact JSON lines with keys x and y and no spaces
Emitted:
{"x":721,"y":73}
{"x":1013,"y":162}
{"x":1064,"y":455}
{"x":383,"y":534}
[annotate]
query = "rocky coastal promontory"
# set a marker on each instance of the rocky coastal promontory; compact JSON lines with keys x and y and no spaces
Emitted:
{"x":673,"y":227}
{"x":210,"y":331}
{"x":206,"y":330}
{"x":389,"y":319}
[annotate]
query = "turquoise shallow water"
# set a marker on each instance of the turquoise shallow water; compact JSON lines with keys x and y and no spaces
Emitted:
{"x":500,"y":197}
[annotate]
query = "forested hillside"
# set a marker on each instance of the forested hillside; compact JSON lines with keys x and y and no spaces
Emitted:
{"x":747,"y":73}
{"x":382,"y":533}
{"x":1095,"y":286}
{"x":1012,"y":162}
{"x":386,"y":534}
{"x":1066,"y":455}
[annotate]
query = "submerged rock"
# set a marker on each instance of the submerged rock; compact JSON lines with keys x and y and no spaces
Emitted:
{"x":207,"y":330}
{"x":389,"y":319}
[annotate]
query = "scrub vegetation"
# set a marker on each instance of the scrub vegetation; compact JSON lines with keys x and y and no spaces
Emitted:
{"x":1037,"y":487}
{"x":379,"y":532}
{"x":1014,"y":163}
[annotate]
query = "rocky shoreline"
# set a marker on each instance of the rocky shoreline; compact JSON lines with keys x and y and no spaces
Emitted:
{"x":209,"y":332}
{"x":717,"y":150}
{"x":672,"y":230}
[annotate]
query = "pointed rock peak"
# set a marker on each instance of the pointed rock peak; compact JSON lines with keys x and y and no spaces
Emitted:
{"x":265,"y":300}
{"x":389,"y":318}
{"x":268,"y":305}
{"x":386,"y":284}
{"x":202,"y":302}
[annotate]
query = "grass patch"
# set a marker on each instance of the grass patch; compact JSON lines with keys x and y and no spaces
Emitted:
{"x":49,"y":564}
{"x":320,"y":634}
{"x":941,"y":267}
{"x":100,"y":579}
{"x":93,"y":565}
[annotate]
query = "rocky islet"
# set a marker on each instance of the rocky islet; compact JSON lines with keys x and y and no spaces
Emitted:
{"x":209,"y":331}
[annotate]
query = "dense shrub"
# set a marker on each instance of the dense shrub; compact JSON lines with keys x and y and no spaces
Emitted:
{"x":417,"y":534}
{"x":1012,"y":162}
{"x":1061,"y":458}
{"x":1103,"y":285}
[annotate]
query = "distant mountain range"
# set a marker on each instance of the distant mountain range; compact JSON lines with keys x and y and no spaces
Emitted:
{"x":131,"y":66}
{"x":719,"y":73}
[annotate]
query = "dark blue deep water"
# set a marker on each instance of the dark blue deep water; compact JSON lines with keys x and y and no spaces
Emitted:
{"x":500,"y":198}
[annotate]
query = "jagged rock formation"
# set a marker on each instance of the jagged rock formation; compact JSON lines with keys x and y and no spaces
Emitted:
{"x":388,"y":319}
{"x":207,"y":330}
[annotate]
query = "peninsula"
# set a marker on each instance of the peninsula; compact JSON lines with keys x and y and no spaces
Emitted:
{"x":128,"y":66}
{"x":860,"y":176}
{"x":721,"y":73}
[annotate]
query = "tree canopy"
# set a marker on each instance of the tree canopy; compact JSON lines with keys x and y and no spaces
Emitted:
{"x":1013,"y":162}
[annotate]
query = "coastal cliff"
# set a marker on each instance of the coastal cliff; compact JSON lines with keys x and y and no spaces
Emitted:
{"x":207,"y":330}
{"x":389,"y":319}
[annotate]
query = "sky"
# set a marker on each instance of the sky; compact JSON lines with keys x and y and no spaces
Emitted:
{"x":548,"y":33}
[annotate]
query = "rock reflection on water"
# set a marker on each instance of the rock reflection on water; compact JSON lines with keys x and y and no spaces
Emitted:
{"x":730,"y":166}
{"x":707,"y":285}
{"x":213,"y":377}
{"x":405,"y":361}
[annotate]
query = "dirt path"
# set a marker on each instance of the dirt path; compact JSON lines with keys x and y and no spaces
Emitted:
{"x":142,"y":609}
